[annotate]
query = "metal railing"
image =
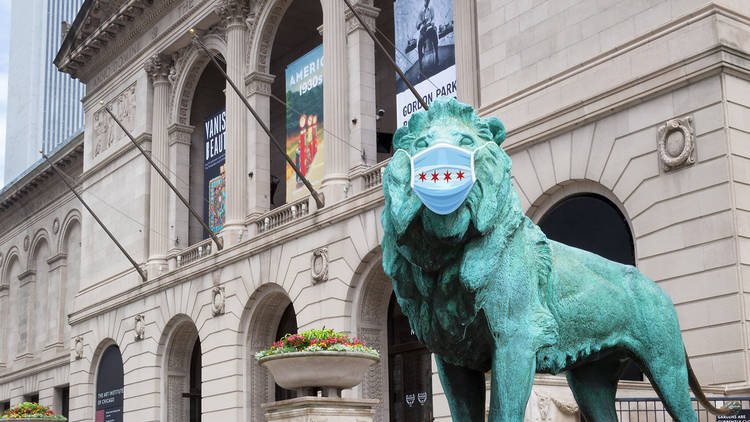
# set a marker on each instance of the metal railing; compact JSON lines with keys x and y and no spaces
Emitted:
{"x":652,"y":409}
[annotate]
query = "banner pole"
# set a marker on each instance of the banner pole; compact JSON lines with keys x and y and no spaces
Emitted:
{"x":318,"y":200}
{"x":111,"y":236}
{"x":390,"y":59}
{"x":219,"y":242}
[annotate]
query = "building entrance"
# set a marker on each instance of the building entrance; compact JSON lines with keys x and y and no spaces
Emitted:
{"x":410,"y":370}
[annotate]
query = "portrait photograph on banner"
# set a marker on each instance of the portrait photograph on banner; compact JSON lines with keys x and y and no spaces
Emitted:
{"x":304,"y":122}
{"x":425,"y":47}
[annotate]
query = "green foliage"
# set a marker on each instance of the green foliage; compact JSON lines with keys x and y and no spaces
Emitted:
{"x":28,"y":410}
{"x":316,"y":340}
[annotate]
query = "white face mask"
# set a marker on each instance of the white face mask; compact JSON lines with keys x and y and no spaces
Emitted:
{"x":442,"y":176}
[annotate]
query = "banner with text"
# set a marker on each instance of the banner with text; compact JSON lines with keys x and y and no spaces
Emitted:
{"x":214,"y":185}
{"x":304,"y":122}
{"x":426,"y":53}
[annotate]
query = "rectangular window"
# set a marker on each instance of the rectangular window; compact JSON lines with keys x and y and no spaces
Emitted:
{"x":4,"y":405}
{"x":62,"y":400}
{"x":33,"y":398}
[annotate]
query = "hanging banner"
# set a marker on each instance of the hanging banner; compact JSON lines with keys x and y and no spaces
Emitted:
{"x":214,"y":185}
{"x":304,"y":122}
{"x":426,"y":53}
{"x":109,"y":387}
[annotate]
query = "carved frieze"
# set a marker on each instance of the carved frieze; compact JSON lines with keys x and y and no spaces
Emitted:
{"x":219,"y":301}
{"x":106,"y":131}
{"x":140,"y":327}
{"x":319,"y":265}
{"x":268,"y":32}
{"x":676,"y":143}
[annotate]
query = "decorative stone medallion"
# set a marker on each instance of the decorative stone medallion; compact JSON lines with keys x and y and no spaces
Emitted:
{"x":219,"y":300}
{"x":78,"y":347}
{"x":140,"y":327}
{"x":26,"y":242}
{"x":676,"y":143}
{"x":56,"y":226}
{"x":319,"y":265}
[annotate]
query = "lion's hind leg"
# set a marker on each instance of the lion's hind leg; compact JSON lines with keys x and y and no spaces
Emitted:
{"x":594,"y":385}
{"x":666,"y":369}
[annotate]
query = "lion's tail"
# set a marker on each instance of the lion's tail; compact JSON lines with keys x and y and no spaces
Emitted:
{"x":729,"y":409}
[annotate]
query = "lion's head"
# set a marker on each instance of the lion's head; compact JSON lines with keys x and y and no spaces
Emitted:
{"x":491,"y":199}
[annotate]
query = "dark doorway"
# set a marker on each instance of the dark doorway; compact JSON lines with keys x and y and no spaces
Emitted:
{"x":110,"y":380}
{"x":287,"y":325}
{"x":195,"y":383}
{"x":593,"y":223}
{"x":409,"y":369}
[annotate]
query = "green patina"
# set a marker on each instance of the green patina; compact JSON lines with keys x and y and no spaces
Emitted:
{"x":484,"y":289}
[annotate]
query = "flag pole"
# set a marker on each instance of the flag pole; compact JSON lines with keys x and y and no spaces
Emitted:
{"x":219,"y":242}
{"x":387,"y":55}
{"x":318,"y":200}
{"x":111,"y":236}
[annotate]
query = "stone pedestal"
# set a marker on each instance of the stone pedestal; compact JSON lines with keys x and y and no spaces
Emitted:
{"x":320,"y":409}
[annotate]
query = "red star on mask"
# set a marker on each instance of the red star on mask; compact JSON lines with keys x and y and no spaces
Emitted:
{"x":422,"y":177}
{"x":460,"y":175}
{"x":435,"y":176}
{"x":447,"y":175}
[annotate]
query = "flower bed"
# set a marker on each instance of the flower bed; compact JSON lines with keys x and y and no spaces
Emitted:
{"x":316,"y":341}
{"x":27,"y":410}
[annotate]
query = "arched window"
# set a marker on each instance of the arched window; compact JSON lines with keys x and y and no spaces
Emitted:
{"x":410,"y":370}
{"x":109,"y":386}
{"x":591,"y":222}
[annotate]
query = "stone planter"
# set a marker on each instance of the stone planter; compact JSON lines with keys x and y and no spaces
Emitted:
{"x":329,"y":371}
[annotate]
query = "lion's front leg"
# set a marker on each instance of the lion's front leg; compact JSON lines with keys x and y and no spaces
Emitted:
{"x":464,"y":389}
{"x":513,"y":368}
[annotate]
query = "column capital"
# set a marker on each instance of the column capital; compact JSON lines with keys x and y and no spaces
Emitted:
{"x":258,"y":83}
{"x":233,"y":12}
{"x":367,"y":11}
{"x":158,"y":67}
{"x":180,"y":134}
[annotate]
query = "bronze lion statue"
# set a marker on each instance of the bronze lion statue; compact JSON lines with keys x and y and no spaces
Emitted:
{"x":484,"y":289}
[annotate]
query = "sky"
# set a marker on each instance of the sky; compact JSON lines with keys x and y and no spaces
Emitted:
{"x":4,"y":47}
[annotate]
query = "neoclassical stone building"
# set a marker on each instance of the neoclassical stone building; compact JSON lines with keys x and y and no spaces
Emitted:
{"x":628,"y":129}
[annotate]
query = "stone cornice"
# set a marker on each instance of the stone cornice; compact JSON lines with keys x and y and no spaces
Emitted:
{"x":40,"y":175}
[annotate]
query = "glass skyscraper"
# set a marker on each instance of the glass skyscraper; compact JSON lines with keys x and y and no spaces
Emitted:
{"x":44,"y":104}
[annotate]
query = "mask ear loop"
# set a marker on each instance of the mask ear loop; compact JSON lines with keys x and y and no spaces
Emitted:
{"x":474,"y":173}
{"x":411,"y":164}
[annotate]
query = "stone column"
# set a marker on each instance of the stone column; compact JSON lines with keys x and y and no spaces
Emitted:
{"x":179,"y":164}
{"x":57,"y":318}
{"x":258,"y":88}
{"x":467,"y":53}
{"x":361,"y":51}
{"x":233,"y":13}
{"x":157,"y":68}
{"x":336,"y":117}
{"x":25,"y":314}
{"x":4,"y":303}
